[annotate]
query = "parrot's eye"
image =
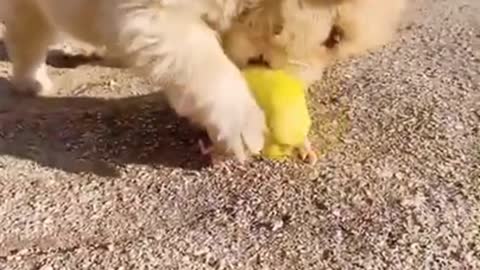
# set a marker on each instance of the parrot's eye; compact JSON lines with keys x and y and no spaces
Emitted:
{"x":335,"y":36}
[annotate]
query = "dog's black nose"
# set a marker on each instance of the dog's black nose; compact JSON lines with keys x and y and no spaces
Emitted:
{"x":259,"y":61}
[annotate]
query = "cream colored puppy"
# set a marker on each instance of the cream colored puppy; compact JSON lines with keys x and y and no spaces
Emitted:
{"x":179,"y":44}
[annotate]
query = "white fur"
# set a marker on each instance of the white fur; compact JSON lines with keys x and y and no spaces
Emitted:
{"x":165,"y":40}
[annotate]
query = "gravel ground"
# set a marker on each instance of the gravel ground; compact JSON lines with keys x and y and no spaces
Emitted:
{"x":105,"y":177}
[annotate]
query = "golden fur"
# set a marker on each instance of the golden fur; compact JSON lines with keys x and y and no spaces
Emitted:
{"x":179,"y":44}
{"x":307,"y":36}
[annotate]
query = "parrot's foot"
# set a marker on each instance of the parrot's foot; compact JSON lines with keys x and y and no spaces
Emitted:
{"x":308,"y":154}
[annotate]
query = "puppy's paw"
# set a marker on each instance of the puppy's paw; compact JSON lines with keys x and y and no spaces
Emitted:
{"x":233,"y":119}
{"x":39,"y":85}
{"x":222,"y":103}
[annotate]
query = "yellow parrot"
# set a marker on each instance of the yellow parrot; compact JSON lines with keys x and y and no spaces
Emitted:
{"x":282,"y":98}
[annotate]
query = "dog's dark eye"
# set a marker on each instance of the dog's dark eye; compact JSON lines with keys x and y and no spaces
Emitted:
{"x":277,"y":29}
{"x":335,"y":36}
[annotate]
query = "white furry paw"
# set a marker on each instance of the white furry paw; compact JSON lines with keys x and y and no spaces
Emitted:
{"x":38,"y":84}
{"x":31,"y":87}
{"x":233,"y":119}
{"x":222,"y":103}
{"x":236,"y":124}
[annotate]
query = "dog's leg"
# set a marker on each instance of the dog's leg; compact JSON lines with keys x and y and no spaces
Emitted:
{"x":27,"y":38}
{"x":181,"y":51}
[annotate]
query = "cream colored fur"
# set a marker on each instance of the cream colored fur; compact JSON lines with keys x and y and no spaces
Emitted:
{"x":194,"y":47}
{"x":293,"y":35}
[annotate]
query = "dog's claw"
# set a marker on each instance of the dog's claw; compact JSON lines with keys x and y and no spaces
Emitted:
{"x":205,"y":150}
{"x":215,"y":157}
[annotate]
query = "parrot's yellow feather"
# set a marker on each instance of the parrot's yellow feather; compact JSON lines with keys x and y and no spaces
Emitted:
{"x":282,"y":98}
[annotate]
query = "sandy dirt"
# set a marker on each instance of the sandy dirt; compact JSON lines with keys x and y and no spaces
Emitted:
{"x":104,"y":176}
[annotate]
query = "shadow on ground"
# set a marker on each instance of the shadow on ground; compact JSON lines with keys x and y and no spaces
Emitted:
{"x":95,"y":135}
{"x":59,"y":59}
{"x":100,"y":136}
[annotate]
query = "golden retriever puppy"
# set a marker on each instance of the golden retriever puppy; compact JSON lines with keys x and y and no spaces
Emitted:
{"x":179,"y":44}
